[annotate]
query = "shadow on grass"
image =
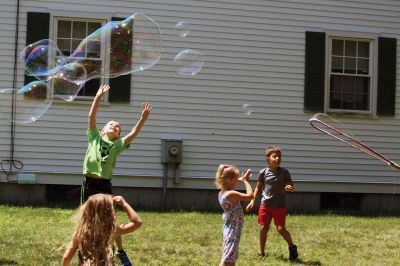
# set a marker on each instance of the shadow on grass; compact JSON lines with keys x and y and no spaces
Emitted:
{"x":300,"y":261}
{"x":7,"y":262}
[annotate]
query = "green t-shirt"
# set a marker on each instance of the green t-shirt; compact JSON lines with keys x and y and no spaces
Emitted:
{"x":101,"y":154}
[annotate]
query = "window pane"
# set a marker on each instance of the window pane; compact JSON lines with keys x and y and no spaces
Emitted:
{"x":363,"y":49}
{"x":337,"y":47}
{"x":75,"y":44}
{"x":349,"y":84}
{"x":93,"y":49}
{"x":362,"y":66}
{"x":362,"y":85}
{"x":64,"y":45}
{"x":348,"y":101}
{"x":336,"y":83}
{"x":64,"y":29}
{"x":350,"y":65}
{"x":337,"y":64}
{"x":335,"y":100}
{"x":90,"y":88}
{"x":350,"y":48}
{"x":93,"y":67}
{"x":79,"y":30}
{"x":362,"y":102}
{"x":92,"y":27}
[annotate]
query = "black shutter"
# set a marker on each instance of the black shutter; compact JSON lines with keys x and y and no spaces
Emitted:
{"x":314,"y":82}
{"x":37,"y":28}
{"x":120,"y":87}
{"x":386,"y":76}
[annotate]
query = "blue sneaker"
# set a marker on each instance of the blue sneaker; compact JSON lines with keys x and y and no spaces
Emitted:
{"x":124,"y":258}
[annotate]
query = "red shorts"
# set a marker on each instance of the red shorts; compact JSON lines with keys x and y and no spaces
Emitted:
{"x":265,"y":215}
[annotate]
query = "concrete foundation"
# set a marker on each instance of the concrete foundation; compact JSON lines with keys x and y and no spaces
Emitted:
{"x":194,"y":199}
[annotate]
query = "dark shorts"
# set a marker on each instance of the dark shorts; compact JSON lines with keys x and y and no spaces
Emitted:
{"x":265,"y":215}
{"x":93,"y":186}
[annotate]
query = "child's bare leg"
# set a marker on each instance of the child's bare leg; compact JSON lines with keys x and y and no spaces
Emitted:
{"x":263,"y":237}
{"x":227,"y":263}
{"x":285,"y":234}
{"x":118,"y":241}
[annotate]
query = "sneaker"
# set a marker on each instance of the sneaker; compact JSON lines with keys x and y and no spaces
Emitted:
{"x":124,"y":258}
{"x":293,"y":255}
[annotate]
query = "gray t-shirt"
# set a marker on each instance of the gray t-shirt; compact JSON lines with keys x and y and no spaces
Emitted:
{"x":273,"y":194}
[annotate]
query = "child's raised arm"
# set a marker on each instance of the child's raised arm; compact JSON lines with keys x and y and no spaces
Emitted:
{"x":135,"y":221}
{"x":93,"y":109}
{"x":236,"y":195}
{"x":146,"y":108}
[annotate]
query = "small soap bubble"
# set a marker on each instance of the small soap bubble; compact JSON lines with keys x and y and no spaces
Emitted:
{"x":189,"y":62}
{"x":247,"y":109}
{"x":182,"y":28}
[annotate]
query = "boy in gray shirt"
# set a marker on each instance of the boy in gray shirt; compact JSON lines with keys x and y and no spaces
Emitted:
{"x":273,"y":181}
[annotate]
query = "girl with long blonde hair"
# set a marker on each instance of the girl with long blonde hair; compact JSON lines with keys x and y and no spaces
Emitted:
{"x":96,"y":230}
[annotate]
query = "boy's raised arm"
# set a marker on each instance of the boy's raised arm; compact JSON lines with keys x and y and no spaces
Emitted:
{"x":93,"y":109}
{"x":146,"y":108}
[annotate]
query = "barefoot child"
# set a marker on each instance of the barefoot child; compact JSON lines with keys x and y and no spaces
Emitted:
{"x":226,"y":178}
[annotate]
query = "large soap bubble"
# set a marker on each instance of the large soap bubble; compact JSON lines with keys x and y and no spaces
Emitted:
{"x":65,"y":89}
{"x":32,"y":102}
{"x":189,"y":62}
{"x":135,"y":45}
{"x":37,"y":59}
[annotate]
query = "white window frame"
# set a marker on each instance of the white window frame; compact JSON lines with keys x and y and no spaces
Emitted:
{"x":373,"y":67}
{"x":54,"y":34}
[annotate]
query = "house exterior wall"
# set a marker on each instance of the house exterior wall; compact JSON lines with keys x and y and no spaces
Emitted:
{"x":254,"y":55}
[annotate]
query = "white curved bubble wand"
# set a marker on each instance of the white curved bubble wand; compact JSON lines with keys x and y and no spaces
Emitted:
{"x":325,"y":124}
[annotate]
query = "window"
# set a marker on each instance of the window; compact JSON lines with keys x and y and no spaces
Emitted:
{"x":69,"y":33}
{"x":350,"y":75}
{"x":346,"y":72}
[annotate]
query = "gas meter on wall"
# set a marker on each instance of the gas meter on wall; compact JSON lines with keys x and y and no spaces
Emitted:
{"x":171,"y":151}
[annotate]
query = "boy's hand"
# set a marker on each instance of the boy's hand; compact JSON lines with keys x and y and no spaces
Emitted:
{"x":250,"y":206}
{"x":102,"y":90}
{"x":146,"y":108}
{"x":246,"y":176}
{"x":289,"y":188}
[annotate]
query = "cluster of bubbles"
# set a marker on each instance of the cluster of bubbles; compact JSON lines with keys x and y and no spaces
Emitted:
{"x":134,"y":45}
{"x":188,"y":62}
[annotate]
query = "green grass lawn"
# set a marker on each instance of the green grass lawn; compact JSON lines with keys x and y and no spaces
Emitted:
{"x":38,"y":236}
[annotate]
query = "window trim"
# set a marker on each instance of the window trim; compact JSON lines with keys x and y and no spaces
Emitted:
{"x":373,"y":39}
{"x":54,"y":18}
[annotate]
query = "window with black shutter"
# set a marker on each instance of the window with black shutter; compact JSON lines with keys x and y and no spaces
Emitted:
{"x":340,"y":75}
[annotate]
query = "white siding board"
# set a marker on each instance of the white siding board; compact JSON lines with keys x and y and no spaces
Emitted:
{"x":254,"y":54}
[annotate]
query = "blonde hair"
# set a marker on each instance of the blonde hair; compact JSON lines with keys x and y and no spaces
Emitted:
{"x":96,"y":223}
{"x":225,"y":172}
{"x":120,"y":129}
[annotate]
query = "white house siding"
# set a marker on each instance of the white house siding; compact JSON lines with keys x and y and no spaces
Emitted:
{"x":254,"y":54}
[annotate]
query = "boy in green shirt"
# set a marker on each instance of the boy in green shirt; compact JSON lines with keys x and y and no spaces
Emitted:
{"x":103,"y":148}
